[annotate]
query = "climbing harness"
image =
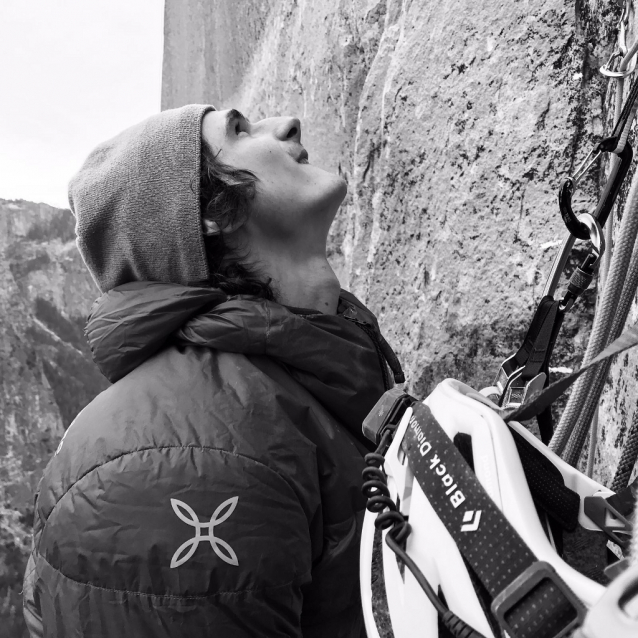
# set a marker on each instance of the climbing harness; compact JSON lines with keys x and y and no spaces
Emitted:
{"x":472,"y":507}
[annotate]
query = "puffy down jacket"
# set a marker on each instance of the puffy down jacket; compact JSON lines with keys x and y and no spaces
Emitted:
{"x":214,"y":488}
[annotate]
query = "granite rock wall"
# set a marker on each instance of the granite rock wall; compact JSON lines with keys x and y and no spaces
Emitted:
{"x":452,"y":123}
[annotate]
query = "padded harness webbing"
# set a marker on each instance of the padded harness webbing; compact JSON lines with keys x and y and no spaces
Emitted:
{"x":547,"y":485}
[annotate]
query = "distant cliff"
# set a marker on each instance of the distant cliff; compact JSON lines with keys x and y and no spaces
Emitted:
{"x":46,"y":372}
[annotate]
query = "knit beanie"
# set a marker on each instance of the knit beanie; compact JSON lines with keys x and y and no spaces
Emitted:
{"x":136,"y":203}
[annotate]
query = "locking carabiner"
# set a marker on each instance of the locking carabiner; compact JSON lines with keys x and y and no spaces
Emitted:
{"x":596,"y":237}
{"x":583,"y":275}
{"x":576,"y":228}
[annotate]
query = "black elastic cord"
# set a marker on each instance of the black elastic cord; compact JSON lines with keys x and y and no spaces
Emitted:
{"x":458,"y":627}
{"x":376,"y":491}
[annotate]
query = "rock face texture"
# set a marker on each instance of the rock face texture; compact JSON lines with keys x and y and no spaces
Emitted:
{"x":453,"y":124}
{"x":46,"y":372}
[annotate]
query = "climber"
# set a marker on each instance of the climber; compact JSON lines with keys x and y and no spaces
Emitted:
{"x":214,"y":488}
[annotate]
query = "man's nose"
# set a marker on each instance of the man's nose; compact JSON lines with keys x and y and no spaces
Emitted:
{"x":288,"y":128}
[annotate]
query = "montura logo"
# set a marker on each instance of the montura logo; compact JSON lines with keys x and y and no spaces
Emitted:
{"x":220,"y":547}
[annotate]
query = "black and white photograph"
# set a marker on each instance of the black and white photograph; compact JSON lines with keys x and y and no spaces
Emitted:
{"x":318,"y":319}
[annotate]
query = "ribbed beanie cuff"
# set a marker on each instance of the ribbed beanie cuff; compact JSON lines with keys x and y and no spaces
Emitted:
{"x":136,"y":203}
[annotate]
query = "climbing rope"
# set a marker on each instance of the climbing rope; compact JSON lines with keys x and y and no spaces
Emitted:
{"x":617,"y":284}
{"x":624,"y":69}
{"x":628,"y":458}
{"x":572,"y":430}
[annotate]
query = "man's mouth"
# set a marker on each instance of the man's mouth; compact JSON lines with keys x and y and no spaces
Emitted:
{"x":303,"y":157}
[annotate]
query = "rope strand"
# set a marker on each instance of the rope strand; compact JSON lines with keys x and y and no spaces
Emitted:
{"x":608,"y":323}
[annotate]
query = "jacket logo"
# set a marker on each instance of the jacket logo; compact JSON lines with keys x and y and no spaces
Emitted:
{"x":220,"y":547}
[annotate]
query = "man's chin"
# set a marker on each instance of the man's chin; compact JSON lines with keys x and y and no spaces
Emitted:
{"x":341,"y":187}
{"x":328,"y":193}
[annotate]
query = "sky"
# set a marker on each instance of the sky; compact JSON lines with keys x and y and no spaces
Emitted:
{"x":73,"y":73}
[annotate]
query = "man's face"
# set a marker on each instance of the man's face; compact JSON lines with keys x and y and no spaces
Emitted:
{"x":295,"y":201}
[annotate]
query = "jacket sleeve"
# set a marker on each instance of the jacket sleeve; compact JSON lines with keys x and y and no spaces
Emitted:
{"x":175,"y":541}
{"x":31,"y":611}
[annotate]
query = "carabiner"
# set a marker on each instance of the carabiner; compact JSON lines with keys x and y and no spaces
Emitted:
{"x":575,"y":227}
{"x":596,"y":237}
{"x":606,"y":69}
{"x":614,"y":181}
{"x":594,"y":234}
{"x":586,"y":164}
{"x":609,"y":195}
{"x":569,"y":186}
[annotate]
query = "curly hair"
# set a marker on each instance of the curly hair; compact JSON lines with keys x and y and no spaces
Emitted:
{"x":224,"y":196}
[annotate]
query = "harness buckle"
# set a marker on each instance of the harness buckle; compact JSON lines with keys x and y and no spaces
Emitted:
{"x":506,"y":604}
{"x":518,"y":390}
{"x":506,"y":374}
{"x":523,"y":373}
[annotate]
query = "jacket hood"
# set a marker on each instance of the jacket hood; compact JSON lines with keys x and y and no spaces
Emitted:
{"x":339,"y":359}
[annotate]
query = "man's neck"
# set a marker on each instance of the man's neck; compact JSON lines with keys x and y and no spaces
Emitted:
{"x":307,"y":283}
